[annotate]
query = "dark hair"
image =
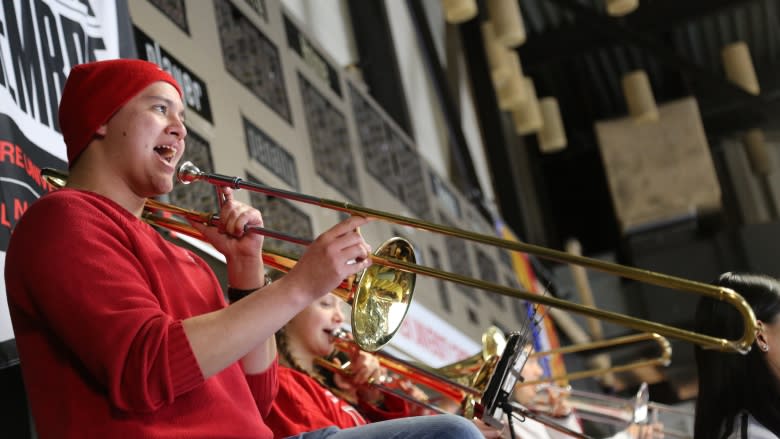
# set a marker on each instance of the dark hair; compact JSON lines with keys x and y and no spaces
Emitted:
{"x":732,"y":382}
{"x":286,"y":357}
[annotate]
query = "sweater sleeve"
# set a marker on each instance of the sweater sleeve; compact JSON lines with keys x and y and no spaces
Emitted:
{"x":264,"y":387}
{"x":95,"y":279}
{"x":393,"y":407}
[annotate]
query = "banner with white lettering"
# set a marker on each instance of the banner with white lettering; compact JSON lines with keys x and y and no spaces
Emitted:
{"x":40,"y":40}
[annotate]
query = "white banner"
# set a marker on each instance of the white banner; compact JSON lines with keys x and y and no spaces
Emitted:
{"x":425,"y":337}
{"x":40,"y":41}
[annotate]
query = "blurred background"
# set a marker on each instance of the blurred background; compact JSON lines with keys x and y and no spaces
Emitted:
{"x":639,"y":132}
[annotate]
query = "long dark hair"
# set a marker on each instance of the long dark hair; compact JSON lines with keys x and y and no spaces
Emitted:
{"x":730,"y":382}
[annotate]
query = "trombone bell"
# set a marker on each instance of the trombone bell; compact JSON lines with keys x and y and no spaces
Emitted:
{"x":382,"y":297}
{"x":493,"y":343}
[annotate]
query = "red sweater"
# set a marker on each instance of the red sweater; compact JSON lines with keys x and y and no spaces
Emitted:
{"x":97,"y":298}
{"x":302,"y":404}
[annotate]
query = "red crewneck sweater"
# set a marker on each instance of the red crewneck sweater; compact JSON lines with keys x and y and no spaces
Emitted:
{"x":97,"y":298}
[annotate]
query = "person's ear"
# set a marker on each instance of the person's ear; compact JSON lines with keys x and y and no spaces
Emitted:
{"x":101,"y":131}
{"x":761,"y":340}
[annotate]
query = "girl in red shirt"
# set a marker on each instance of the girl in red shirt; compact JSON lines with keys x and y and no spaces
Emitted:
{"x":304,"y":403}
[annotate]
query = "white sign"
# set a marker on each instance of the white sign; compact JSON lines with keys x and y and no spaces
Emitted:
{"x":425,"y":337}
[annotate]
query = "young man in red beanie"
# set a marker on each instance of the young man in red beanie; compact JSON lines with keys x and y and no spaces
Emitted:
{"x":123,"y":334}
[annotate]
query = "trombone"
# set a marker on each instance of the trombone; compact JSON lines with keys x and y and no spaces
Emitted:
{"x":663,"y":359}
{"x":466,"y":386}
{"x":621,"y":412}
{"x":466,"y":379}
{"x":189,"y":173}
{"x":597,"y":407}
{"x":423,"y":375}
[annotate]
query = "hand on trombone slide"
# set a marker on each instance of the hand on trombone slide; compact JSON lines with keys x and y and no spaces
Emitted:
{"x":334,"y":256}
{"x":554,"y":399}
{"x":229,"y":234}
{"x":361,"y":369}
{"x":555,"y":402}
{"x":361,"y":376}
{"x":645,"y":431}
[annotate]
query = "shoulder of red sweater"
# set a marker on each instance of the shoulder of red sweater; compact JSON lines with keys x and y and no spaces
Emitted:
{"x":287,"y":375}
{"x":78,"y":204}
{"x":288,"y":371}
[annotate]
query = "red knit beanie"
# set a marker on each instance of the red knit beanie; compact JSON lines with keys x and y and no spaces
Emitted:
{"x":96,"y":90}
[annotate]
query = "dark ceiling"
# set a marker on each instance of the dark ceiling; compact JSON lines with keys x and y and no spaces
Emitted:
{"x":578,"y":53}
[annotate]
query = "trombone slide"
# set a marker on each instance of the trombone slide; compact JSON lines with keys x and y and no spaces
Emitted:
{"x":189,"y":173}
{"x":663,"y":359}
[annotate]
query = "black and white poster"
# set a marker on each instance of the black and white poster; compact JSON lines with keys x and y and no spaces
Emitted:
{"x":40,"y":40}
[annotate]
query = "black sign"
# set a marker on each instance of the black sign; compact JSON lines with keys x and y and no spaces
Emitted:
{"x":196,"y":95}
{"x":20,"y":165}
{"x":264,"y":149}
{"x":311,"y":56}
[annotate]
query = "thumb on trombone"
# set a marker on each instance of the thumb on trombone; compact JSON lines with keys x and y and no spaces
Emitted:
{"x":646,"y":431}
{"x":335,"y":255}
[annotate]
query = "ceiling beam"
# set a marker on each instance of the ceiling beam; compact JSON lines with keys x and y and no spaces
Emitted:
{"x":653,"y":18}
{"x":723,"y":115}
{"x":699,"y":78}
{"x":664,"y":15}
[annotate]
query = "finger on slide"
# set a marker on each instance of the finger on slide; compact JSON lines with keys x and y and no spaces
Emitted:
{"x":348,"y":225}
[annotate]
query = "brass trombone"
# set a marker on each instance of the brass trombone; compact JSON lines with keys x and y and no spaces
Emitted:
{"x":189,"y":173}
{"x":464,"y":381}
{"x":423,"y":375}
{"x":663,"y":359}
{"x":493,"y":343}
{"x":470,"y":369}
{"x":465,"y":385}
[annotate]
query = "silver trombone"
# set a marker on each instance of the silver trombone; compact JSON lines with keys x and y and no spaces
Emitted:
{"x":620,"y":412}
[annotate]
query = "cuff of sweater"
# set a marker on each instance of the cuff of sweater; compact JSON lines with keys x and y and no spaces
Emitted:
{"x":186,"y":374}
{"x":236,"y":294}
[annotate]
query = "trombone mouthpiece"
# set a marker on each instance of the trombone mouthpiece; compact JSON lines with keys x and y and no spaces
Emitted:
{"x":188,"y":173}
{"x":339,"y":334}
